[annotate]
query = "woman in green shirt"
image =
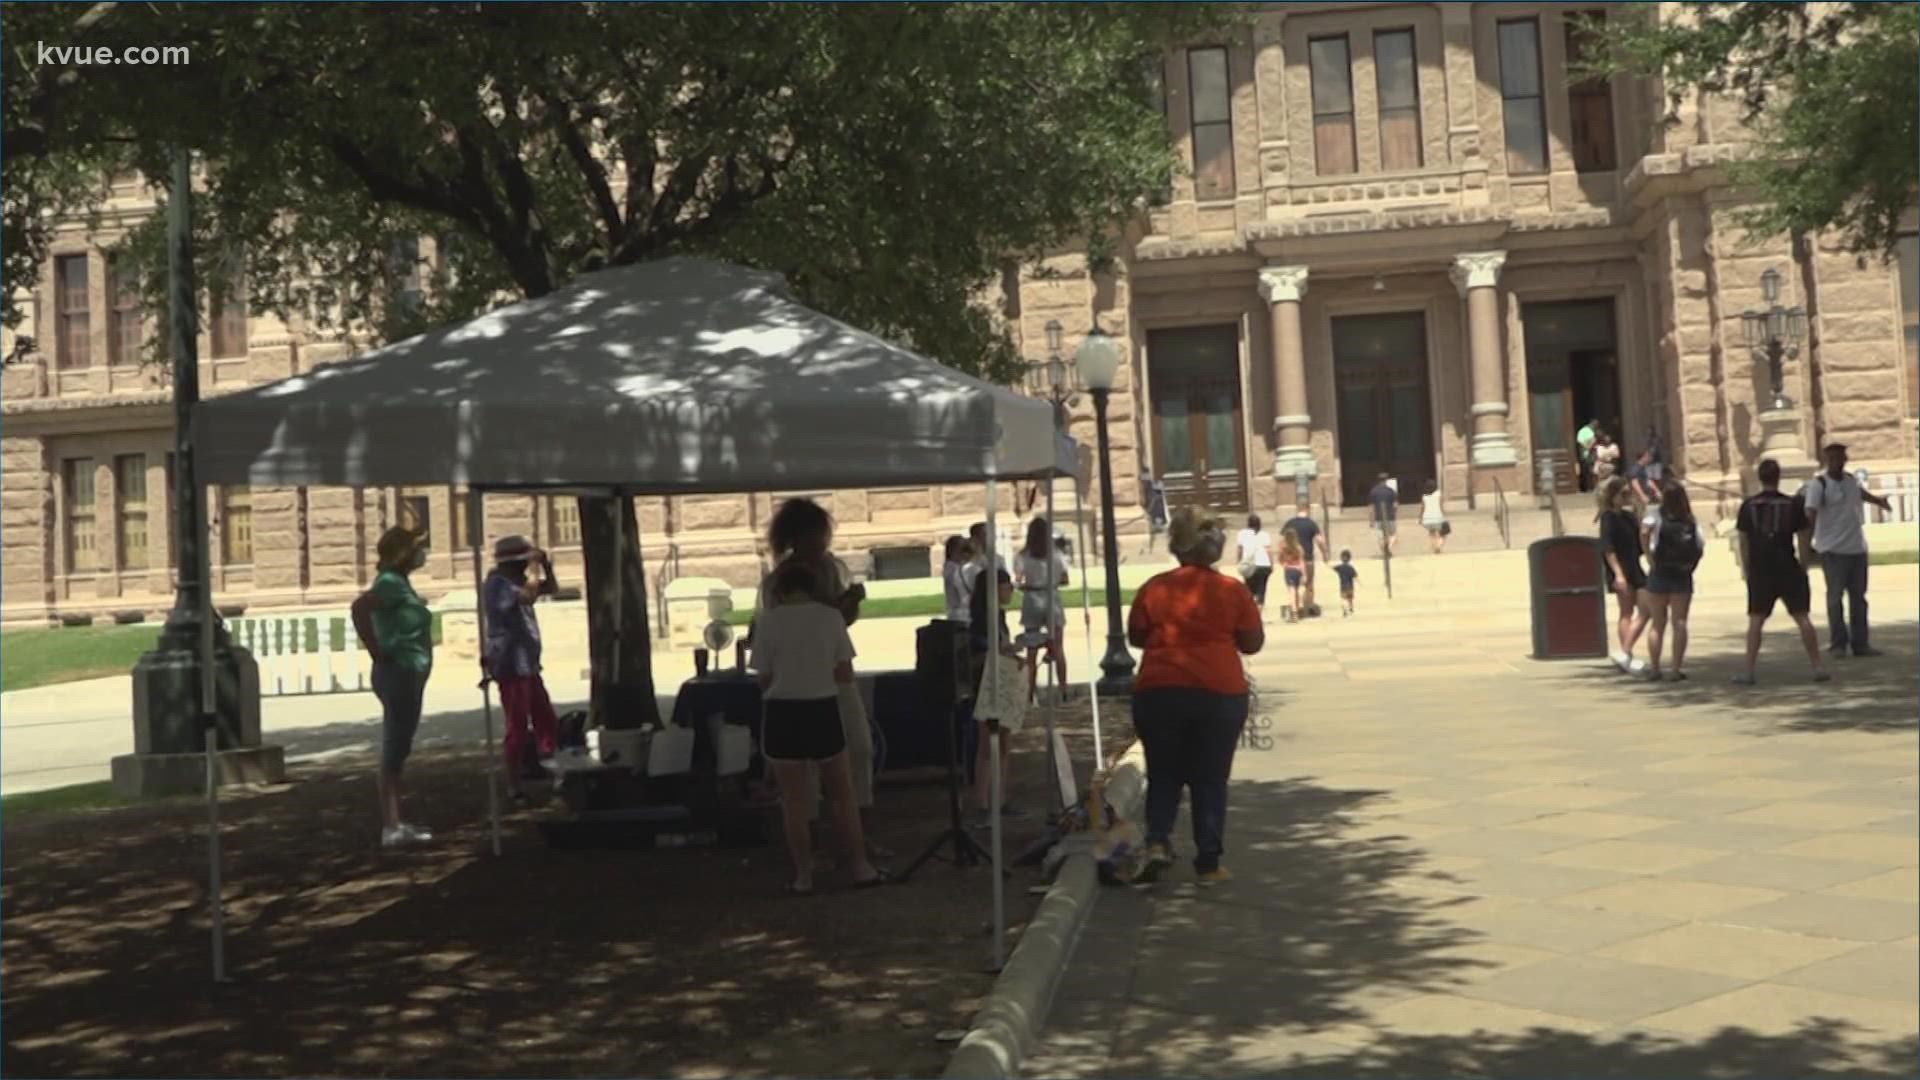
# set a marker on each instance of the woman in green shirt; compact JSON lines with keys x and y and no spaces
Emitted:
{"x":397,"y":631}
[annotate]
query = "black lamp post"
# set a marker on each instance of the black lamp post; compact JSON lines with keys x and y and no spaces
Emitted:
{"x":1099,"y":364}
{"x":1774,"y":335}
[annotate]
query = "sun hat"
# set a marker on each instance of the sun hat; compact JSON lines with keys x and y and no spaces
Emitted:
{"x":512,"y":548}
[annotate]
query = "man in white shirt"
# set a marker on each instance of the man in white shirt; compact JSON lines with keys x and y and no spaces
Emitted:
{"x":1834,"y":501}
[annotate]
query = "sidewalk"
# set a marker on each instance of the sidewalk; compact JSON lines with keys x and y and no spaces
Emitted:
{"x":1454,"y":861}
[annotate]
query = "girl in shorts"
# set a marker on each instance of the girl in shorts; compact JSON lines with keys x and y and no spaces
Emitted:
{"x":803,"y":656}
{"x":1293,"y":563}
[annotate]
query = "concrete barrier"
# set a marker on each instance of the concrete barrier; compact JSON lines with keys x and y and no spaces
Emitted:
{"x":1008,"y":1026}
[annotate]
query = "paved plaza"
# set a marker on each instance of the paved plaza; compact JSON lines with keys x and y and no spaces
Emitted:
{"x":1452,"y":860}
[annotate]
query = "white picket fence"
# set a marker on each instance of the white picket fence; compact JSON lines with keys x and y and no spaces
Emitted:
{"x":302,"y":654}
{"x":1900,"y":489}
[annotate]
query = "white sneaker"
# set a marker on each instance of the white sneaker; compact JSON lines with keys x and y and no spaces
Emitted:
{"x":1622,"y":661}
{"x":393,"y":837}
{"x":1638,"y":667}
{"x":417,"y":834}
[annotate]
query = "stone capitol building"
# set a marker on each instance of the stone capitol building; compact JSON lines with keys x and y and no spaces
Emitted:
{"x":1403,"y":241}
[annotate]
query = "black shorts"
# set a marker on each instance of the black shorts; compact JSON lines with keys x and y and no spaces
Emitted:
{"x":1636,"y":577}
{"x":1764,"y":590}
{"x":1670,"y":582}
{"x":802,"y":730}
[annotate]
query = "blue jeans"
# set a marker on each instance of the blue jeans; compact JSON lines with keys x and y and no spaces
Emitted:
{"x":1846,"y":576}
{"x":1190,"y":736}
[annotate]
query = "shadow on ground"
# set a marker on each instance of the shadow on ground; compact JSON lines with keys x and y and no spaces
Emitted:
{"x":348,"y":960}
{"x":1875,"y":694}
{"x":1331,"y":919}
{"x":1815,"y":1050}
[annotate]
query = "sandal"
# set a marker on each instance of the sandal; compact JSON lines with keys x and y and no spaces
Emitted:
{"x":797,"y":890}
{"x":1677,"y":676}
{"x":880,"y":877}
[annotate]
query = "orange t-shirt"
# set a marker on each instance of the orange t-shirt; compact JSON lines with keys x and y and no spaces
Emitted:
{"x":1188,"y":618}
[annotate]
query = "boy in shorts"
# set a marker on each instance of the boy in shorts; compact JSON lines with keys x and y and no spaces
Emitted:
{"x":803,"y":654}
{"x":1347,"y":574}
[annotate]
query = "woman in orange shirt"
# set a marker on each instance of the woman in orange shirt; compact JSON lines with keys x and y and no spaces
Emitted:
{"x":1190,"y":697}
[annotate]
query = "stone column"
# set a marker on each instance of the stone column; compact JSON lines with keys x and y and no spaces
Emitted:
{"x":1283,"y":287}
{"x":1477,"y":275}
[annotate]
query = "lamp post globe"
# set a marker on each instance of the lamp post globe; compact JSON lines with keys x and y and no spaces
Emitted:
{"x":1098,"y":363}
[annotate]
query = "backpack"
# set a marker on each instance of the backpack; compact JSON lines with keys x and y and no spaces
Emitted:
{"x":1679,"y":548}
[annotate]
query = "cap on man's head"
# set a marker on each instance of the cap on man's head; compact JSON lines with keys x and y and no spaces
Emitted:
{"x":512,"y":548}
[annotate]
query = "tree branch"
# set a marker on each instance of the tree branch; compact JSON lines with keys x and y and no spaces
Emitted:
{"x":592,"y":170}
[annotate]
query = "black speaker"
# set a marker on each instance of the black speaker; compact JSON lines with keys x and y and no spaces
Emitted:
{"x":941,"y":660}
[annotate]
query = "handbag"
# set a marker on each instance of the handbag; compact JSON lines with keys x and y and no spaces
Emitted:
{"x":1446,"y":528}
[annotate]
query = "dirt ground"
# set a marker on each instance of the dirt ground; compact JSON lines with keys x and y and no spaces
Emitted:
{"x":347,"y":960}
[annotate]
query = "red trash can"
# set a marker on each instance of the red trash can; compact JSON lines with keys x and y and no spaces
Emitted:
{"x":1569,"y":598}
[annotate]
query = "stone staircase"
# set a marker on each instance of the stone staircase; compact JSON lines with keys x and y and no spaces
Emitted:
{"x":1476,"y":530}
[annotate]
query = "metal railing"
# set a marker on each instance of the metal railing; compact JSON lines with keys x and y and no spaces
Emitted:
{"x":1502,"y":514}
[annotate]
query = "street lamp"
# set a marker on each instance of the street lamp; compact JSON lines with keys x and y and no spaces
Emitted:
{"x":1774,"y":335}
{"x":1053,"y":379}
{"x":1098,"y":363}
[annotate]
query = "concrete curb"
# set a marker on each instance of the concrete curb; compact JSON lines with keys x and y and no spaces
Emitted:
{"x":1008,"y":1026}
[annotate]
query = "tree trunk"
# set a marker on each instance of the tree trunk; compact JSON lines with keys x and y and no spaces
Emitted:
{"x":628,"y":701}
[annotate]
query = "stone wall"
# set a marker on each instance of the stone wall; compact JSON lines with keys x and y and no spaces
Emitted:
{"x":26,"y":531}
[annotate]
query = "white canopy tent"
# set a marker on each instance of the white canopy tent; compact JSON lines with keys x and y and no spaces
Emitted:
{"x":671,"y":377}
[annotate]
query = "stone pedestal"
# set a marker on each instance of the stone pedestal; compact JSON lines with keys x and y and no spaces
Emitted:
{"x":167,"y":730}
{"x":1780,"y":440}
{"x":146,"y":776}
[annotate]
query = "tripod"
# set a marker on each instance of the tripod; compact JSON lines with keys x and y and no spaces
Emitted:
{"x":966,"y":850}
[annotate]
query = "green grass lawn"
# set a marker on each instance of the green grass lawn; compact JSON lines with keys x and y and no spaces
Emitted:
{"x":932,"y":606}
{"x":30,"y":658}
{"x":73,"y":797}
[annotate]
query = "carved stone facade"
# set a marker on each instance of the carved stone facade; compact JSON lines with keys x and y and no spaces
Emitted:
{"x":1449,"y":322}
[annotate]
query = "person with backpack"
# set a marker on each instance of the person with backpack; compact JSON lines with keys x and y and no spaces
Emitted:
{"x":1674,"y":548}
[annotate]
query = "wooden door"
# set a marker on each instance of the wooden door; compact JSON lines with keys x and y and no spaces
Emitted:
{"x":1199,"y":428}
{"x":1380,"y":379}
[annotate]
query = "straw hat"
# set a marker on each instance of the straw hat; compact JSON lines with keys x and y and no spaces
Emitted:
{"x":398,"y":544}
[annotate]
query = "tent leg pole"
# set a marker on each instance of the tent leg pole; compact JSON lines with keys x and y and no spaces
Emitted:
{"x":619,"y":578}
{"x":1086,"y":621}
{"x":1054,"y":620}
{"x":991,"y":692}
{"x":999,"y":871}
{"x":476,"y":521}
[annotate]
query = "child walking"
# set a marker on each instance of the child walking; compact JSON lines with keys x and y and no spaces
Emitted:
{"x":1347,"y":574}
{"x":1293,"y":564}
{"x":803,"y":655}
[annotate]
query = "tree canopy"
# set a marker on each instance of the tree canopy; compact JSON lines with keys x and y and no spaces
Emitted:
{"x":1831,"y":92}
{"x":888,"y":158}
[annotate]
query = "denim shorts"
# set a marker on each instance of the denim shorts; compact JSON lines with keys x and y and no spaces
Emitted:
{"x":402,"y":693}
